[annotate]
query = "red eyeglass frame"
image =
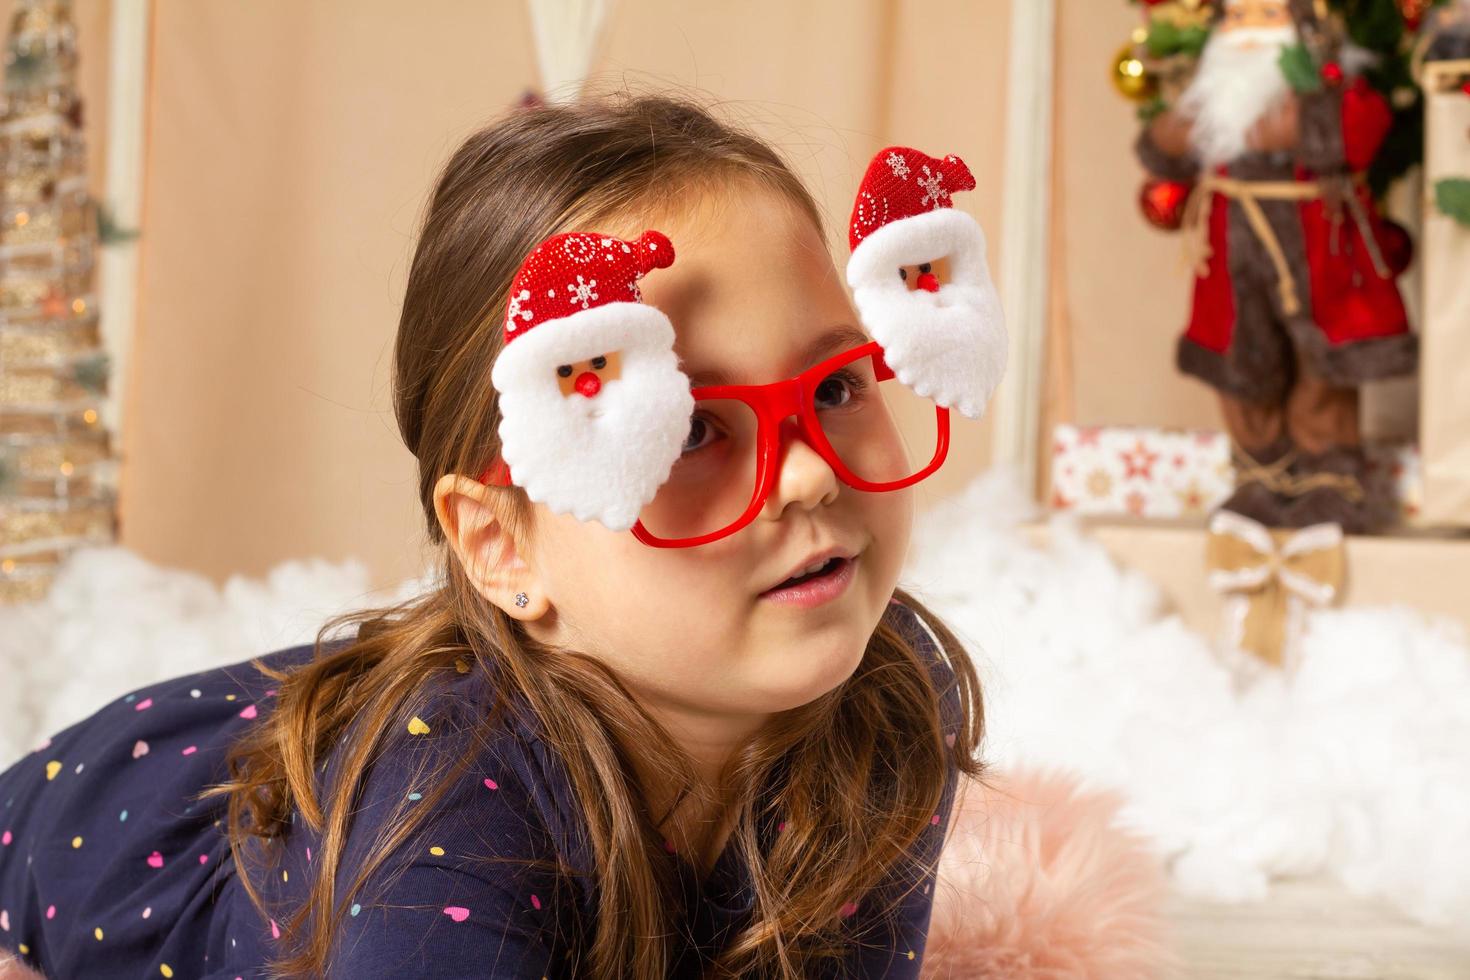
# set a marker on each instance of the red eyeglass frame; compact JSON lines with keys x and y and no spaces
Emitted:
{"x":773,"y":404}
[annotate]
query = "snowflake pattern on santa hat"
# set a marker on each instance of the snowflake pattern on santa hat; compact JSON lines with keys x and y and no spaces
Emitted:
{"x":577,"y":270}
{"x":902,"y":182}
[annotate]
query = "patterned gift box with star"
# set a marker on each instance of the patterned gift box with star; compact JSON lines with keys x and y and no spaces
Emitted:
{"x":1173,"y":474}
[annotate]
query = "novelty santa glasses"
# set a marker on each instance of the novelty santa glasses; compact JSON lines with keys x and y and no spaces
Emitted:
{"x":598,"y":421}
{"x":848,"y":409}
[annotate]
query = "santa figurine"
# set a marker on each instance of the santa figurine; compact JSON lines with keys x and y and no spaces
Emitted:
{"x":1295,"y":297}
{"x":594,"y":408}
{"x":920,"y":281}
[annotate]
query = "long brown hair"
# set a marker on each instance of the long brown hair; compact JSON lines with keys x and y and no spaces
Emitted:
{"x":861,"y":770}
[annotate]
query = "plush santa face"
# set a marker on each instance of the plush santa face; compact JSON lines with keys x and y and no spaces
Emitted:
{"x":924,"y":292}
{"x":594,"y":411}
{"x":1239,"y":78}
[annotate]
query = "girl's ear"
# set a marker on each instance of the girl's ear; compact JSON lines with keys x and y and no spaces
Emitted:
{"x":474,"y":524}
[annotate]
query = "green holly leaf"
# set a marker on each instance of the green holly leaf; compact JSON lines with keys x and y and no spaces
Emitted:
{"x":1163,"y":39}
{"x":1166,"y":39}
{"x":25,"y":68}
{"x":1300,"y":70}
{"x":1151,"y":109}
{"x":1192,"y":40}
{"x":109,"y":232}
{"x":1452,"y":195}
{"x":91,"y":372}
{"x":9,"y":474}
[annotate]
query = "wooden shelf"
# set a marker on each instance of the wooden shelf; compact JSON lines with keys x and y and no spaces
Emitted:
{"x":1420,"y":569}
{"x":1310,"y":927}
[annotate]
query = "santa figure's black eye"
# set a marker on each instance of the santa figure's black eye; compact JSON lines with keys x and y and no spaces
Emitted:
{"x":924,"y":267}
{"x":564,"y":371}
{"x":903,"y":274}
{"x":598,"y":363}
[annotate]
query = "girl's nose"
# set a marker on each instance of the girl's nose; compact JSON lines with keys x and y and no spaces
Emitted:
{"x":804,"y":480}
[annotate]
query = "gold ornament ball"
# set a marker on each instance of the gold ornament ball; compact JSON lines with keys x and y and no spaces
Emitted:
{"x":1132,"y":80}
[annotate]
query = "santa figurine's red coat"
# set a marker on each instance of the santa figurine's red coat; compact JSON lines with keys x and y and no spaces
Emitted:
{"x":1350,"y":323}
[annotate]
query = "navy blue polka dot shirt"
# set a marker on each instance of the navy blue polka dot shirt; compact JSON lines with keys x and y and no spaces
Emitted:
{"x":109,"y":869}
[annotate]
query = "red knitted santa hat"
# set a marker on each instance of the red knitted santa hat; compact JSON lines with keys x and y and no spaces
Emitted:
{"x":578,"y":270}
{"x":903,"y":215}
{"x":576,"y":297}
{"x":902,"y":182}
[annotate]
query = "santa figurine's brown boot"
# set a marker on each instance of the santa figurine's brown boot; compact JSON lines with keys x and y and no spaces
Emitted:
{"x":1257,"y":474}
{"x":1332,"y":487}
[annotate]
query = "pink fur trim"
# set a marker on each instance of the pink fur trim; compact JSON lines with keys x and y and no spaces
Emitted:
{"x":1036,"y":882}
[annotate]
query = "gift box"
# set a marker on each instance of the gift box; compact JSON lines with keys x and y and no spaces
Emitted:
{"x":1182,"y":474}
{"x":1139,"y":471}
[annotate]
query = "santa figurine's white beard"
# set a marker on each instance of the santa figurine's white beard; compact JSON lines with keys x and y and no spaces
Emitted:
{"x":601,"y":458}
{"x":1239,"y":80}
{"x":948,"y":345}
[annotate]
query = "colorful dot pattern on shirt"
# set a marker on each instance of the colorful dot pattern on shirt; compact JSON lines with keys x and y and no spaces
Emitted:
{"x":57,"y":804}
{"x":161,"y":849}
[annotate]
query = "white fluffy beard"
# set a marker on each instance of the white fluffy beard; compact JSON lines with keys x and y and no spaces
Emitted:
{"x":601,"y":458}
{"x":948,"y":345}
{"x":1238,"y":81}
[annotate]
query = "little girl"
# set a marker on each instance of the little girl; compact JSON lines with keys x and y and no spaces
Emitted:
{"x":579,"y":755}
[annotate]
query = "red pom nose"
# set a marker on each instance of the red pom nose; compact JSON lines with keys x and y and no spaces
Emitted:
{"x":929,"y":282}
{"x":588,"y":384}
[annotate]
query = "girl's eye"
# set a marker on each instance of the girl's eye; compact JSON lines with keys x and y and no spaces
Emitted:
{"x":564,"y":371}
{"x":701,"y":434}
{"x":837,"y":390}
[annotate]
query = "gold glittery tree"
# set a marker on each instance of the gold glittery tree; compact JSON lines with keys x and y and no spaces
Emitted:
{"x":57,"y":468}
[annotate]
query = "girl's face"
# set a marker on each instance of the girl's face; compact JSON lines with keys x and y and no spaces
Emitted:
{"x":697,"y":633}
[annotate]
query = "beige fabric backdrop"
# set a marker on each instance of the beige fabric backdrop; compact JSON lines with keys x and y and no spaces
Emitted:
{"x":1445,"y":352}
{"x":291,"y":147}
{"x":1126,"y":287}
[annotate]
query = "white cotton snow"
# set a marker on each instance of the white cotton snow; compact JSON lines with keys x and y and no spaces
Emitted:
{"x":1357,"y":765}
{"x":114,"y":622}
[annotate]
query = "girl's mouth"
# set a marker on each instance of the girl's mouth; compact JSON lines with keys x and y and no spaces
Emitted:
{"x":815,"y":587}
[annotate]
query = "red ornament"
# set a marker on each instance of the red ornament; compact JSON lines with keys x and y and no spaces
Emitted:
{"x":1466,"y":88}
{"x":1332,"y":73}
{"x":1413,"y":12}
{"x":1397,"y":246}
{"x":1162,"y":202}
